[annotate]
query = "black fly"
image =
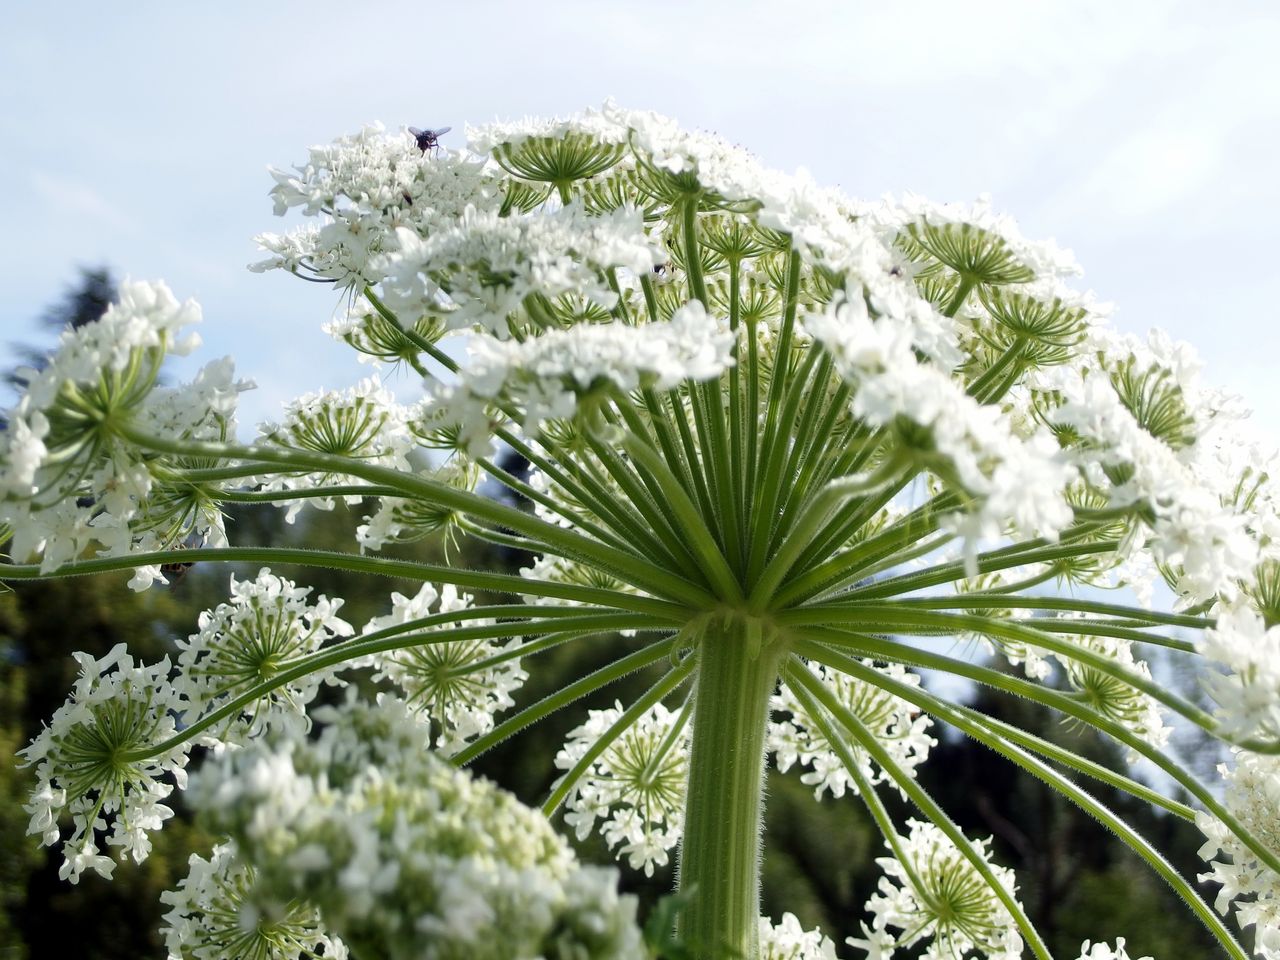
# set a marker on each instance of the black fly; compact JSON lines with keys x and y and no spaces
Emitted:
{"x":176,"y":572}
{"x":428,"y":139}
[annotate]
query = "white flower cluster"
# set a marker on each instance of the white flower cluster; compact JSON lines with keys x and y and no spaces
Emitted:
{"x":362,"y":423}
{"x":1253,"y":796}
{"x":266,"y":627}
{"x":550,"y":376}
{"x":84,"y":766}
{"x":69,"y":478}
{"x":635,"y":787}
{"x":1195,"y":528}
{"x":1110,"y":696}
{"x":405,"y":520}
{"x":405,"y":856}
{"x":364,"y":187}
{"x":790,"y":941}
{"x":1104,"y":951}
{"x":899,"y":727}
{"x":1020,"y":481}
{"x":216,"y":914}
{"x":445,"y":681}
{"x":146,"y":317}
{"x":940,"y":898}
{"x":822,"y":221}
{"x":596,"y":124}
{"x":380,"y":340}
{"x":1044,"y":258}
{"x":1248,"y":697}
{"x":728,"y":170}
{"x":483,"y":269}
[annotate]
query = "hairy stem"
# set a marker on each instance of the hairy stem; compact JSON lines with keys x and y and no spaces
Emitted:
{"x":720,"y":856}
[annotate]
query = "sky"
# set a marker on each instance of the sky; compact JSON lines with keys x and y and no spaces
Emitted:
{"x":1141,"y":135}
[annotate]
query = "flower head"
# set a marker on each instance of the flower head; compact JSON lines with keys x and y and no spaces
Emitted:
{"x":635,"y":787}
{"x":932,"y":893}
{"x":216,"y":913}
{"x":264,"y":629}
{"x":898,"y":725}
{"x":102,"y":759}
{"x":455,"y":686}
{"x":405,"y":856}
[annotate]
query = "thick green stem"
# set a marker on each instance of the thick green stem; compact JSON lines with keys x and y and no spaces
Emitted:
{"x":720,"y":857}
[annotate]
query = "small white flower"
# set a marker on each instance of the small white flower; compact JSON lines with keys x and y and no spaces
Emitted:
{"x":419,"y":858}
{"x":442,"y":679}
{"x":789,"y":941}
{"x":265,"y":627}
{"x":896,"y":724}
{"x":636,"y":787}
{"x":83,"y":765}
{"x":943,"y":900}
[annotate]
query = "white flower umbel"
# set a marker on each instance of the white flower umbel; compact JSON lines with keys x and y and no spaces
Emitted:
{"x":936,"y":896}
{"x":551,"y":376}
{"x":405,"y":856}
{"x":363,"y":424}
{"x":898,"y":725}
{"x":362,"y":188}
{"x":790,"y":941}
{"x":407,"y":520}
{"x":85,"y":762}
{"x":1112,"y":697}
{"x":597,"y":125}
{"x":1104,"y":951}
{"x":1019,"y":482}
{"x":1138,"y":457}
{"x":445,"y":681}
{"x":216,"y":914}
{"x":1248,"y":695}
{"x":70,"y":476}
{"x":266,"y":627}
{"x":635,"y":788}
{"x":483,"y":270}
{"x":1253,"y":796}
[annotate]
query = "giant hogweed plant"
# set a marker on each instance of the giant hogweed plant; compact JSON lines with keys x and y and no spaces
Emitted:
{"x":796,"y":444}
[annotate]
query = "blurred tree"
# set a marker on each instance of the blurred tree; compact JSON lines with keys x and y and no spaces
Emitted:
{"x":18,"y":855}
{"x":82,"y":302}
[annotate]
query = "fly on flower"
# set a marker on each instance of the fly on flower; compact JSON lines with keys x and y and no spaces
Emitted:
{"x":428,"y":139}
{"x":176,"y":571}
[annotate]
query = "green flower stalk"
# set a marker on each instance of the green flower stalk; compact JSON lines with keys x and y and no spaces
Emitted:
{"x":793,"y":443}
